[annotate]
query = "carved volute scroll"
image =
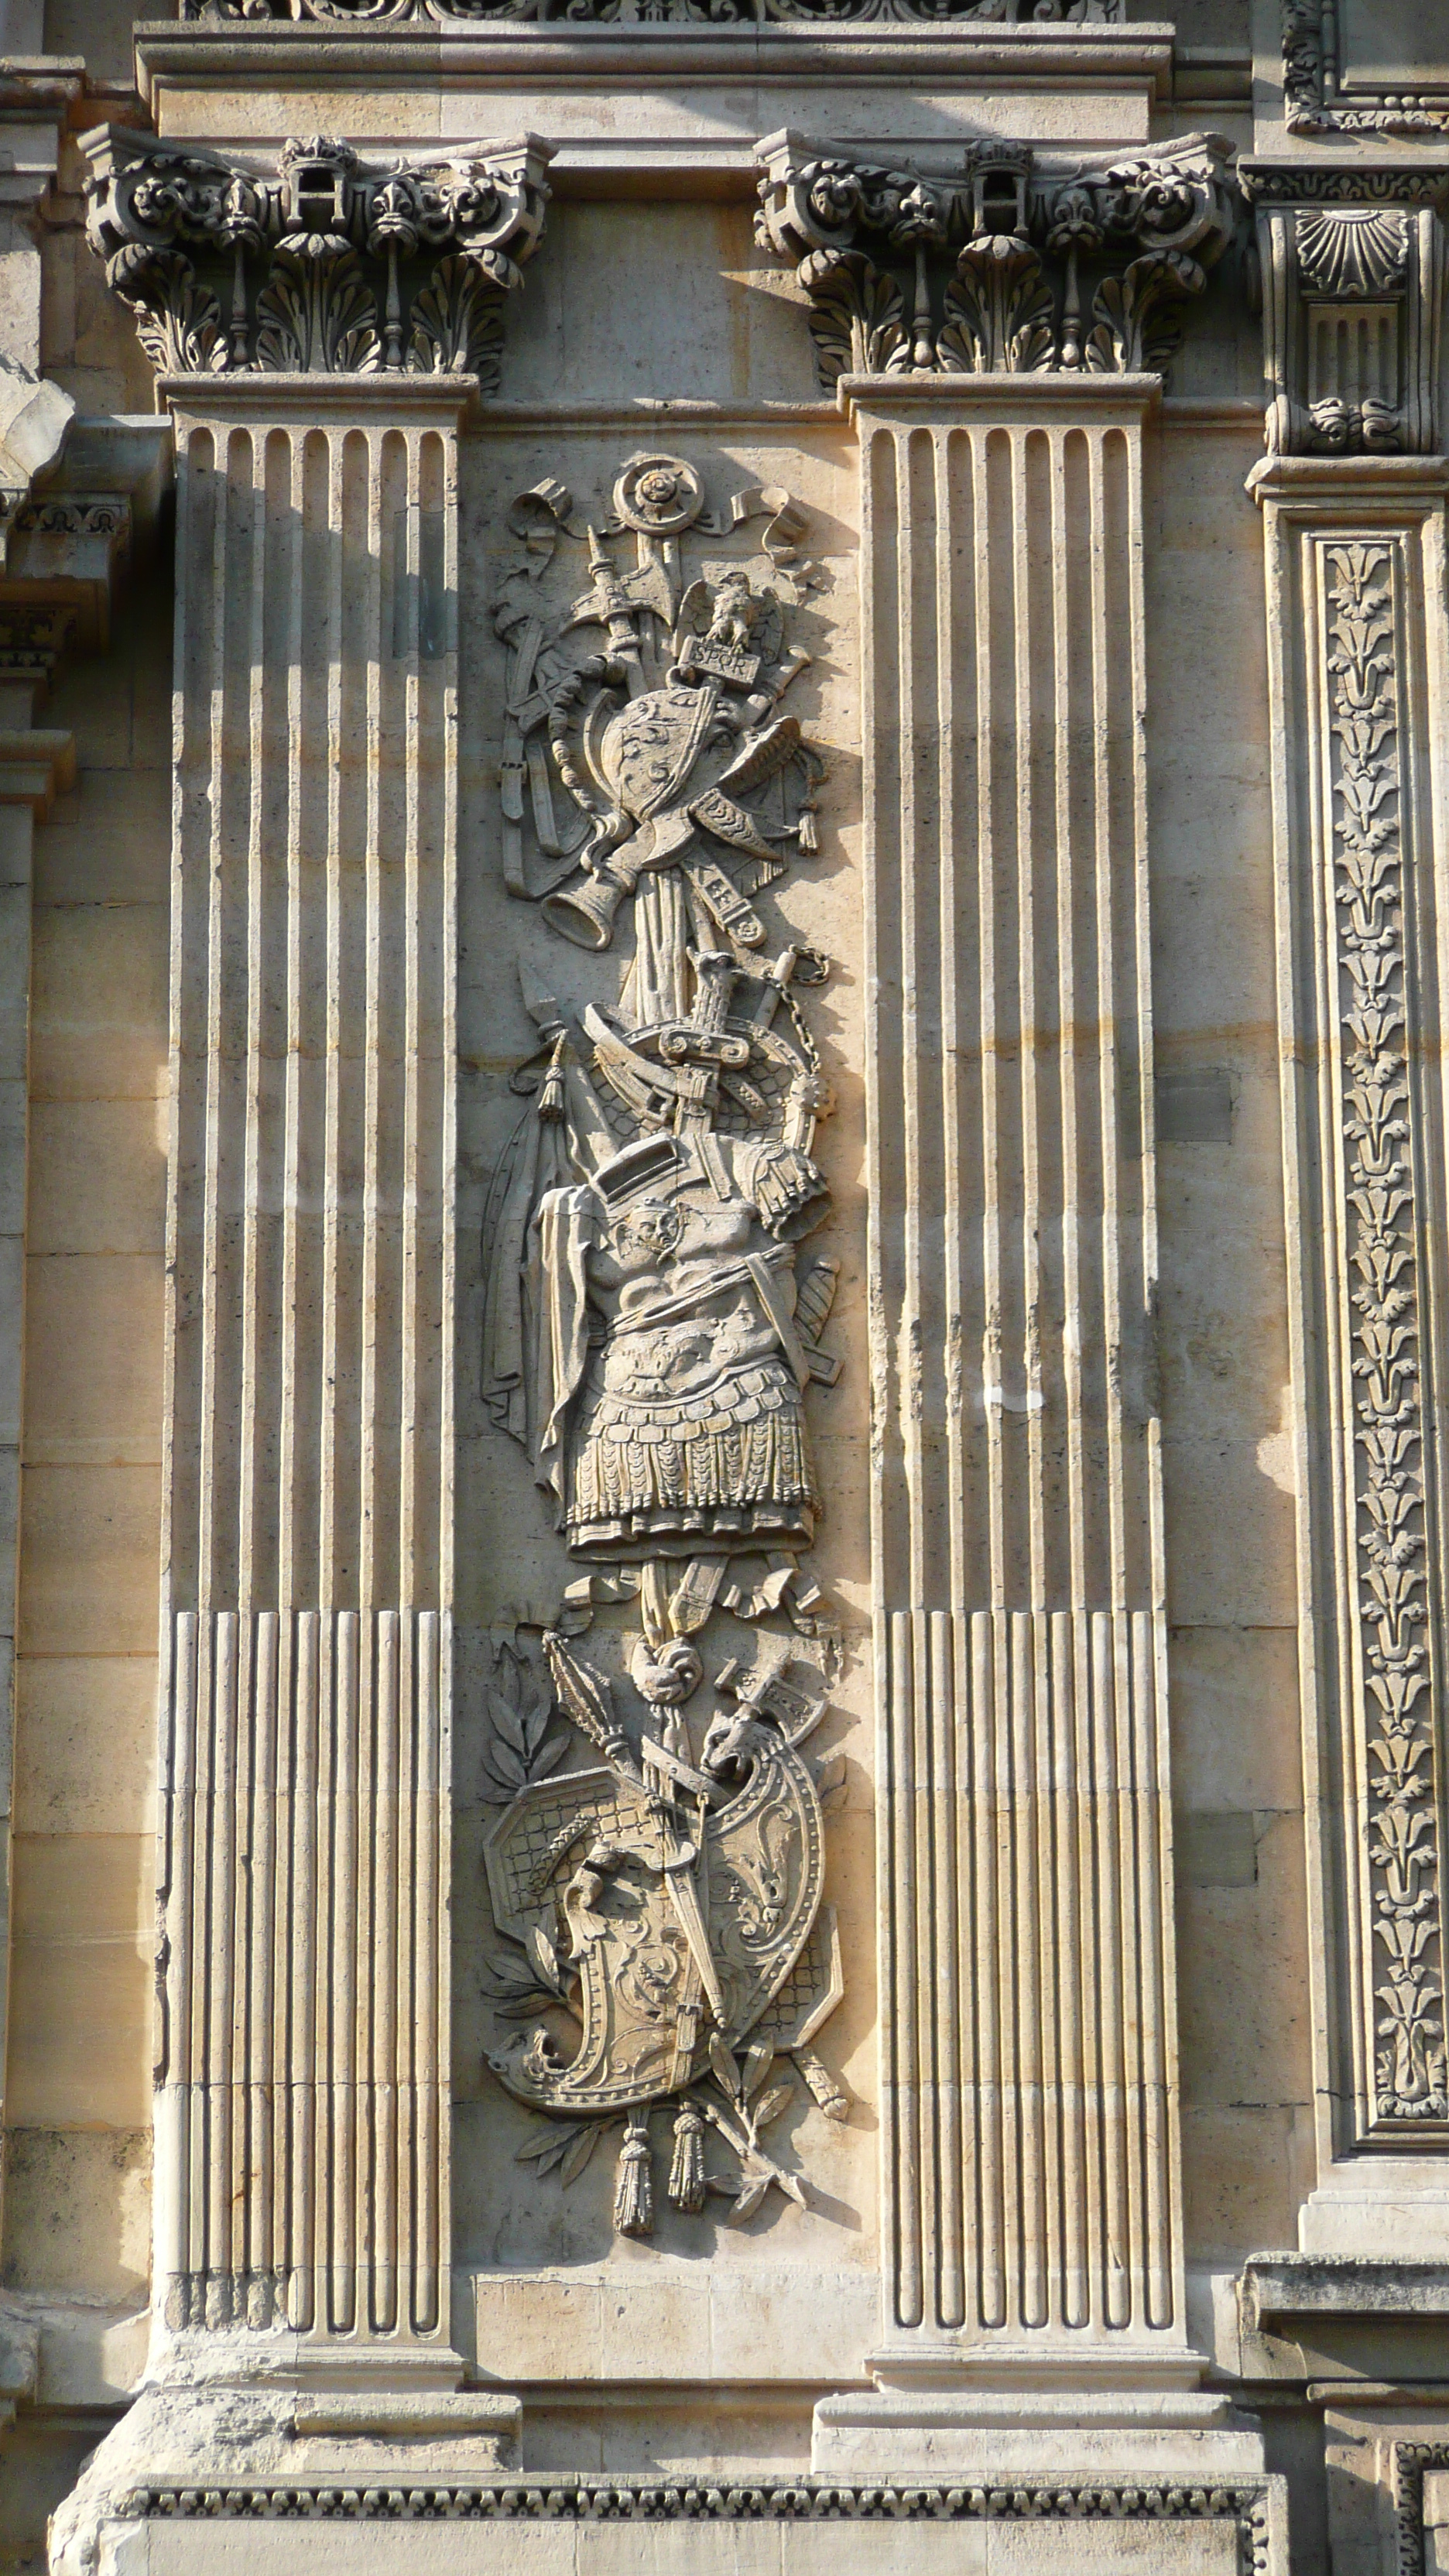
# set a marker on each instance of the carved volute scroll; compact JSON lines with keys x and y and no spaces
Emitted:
{"x":1006,"y":267}
{"x":319,"y":267}
{"x":653,"y":1338}
{"x":1352,"y":294}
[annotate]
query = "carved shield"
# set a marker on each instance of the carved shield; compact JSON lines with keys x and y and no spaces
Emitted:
{"x":649,"y":748}
{"x":587,"y":1860}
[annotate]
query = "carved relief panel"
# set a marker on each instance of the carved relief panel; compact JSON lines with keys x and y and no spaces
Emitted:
{"x":1352,"y":294}
{"x":1360,"y":939}
{"x":662,"y":1947}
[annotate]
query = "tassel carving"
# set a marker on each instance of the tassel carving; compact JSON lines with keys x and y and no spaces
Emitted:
{"x":634,"y":2191}
{"x":686,"y":2173}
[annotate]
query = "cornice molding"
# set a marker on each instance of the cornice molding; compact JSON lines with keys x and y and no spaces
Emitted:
{"x":570,"y":2497}
{"x":348,"y":401}
{"x":1089,"y":58}
{"x":1300,"y":182}
{"x":1059,"y":396}
{"x":1359,"y":485}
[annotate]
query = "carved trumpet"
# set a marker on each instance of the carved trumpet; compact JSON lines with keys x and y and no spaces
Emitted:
{"x":585,"y":912}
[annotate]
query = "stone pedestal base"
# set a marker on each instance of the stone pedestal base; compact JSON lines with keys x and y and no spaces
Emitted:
{"x":198,"y":2455}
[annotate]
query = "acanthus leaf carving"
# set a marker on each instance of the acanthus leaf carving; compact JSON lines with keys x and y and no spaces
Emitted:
{"x":1015,"y":237}
{"x":998,"y":310}
{"x":177,"y":319}
{"x":320,"y":267}
{"x":315,"y":315}
{"x":649,"y":1343}
{"x":1137,"y":318}
{"x":458,"y":322}
{"x":857,"y":316}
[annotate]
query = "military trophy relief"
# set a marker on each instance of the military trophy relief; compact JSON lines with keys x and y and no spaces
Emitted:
{"x":666,"y":1956}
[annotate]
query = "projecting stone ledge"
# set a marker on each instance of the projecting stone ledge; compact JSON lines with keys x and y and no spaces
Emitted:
{"x":1349,"y":2315}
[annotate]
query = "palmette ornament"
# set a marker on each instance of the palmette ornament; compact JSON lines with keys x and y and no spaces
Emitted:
{"x":649,"y":1342}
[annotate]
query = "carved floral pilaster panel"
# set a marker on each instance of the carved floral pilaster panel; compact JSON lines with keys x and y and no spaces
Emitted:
{"x":1355,"y":556}
{"x":1381,"y":1146}
{"x":652,"y":1334}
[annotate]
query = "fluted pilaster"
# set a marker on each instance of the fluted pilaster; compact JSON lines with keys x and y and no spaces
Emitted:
{"x":1027,"y":1963}
{"x":302,"y":2117}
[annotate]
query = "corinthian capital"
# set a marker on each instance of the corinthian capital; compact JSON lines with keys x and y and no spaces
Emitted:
{"x":317,"y":266}
{"x":1010,"y":264}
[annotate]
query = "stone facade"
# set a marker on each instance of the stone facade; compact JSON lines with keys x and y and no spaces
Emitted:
{"x":724,"y":1269}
